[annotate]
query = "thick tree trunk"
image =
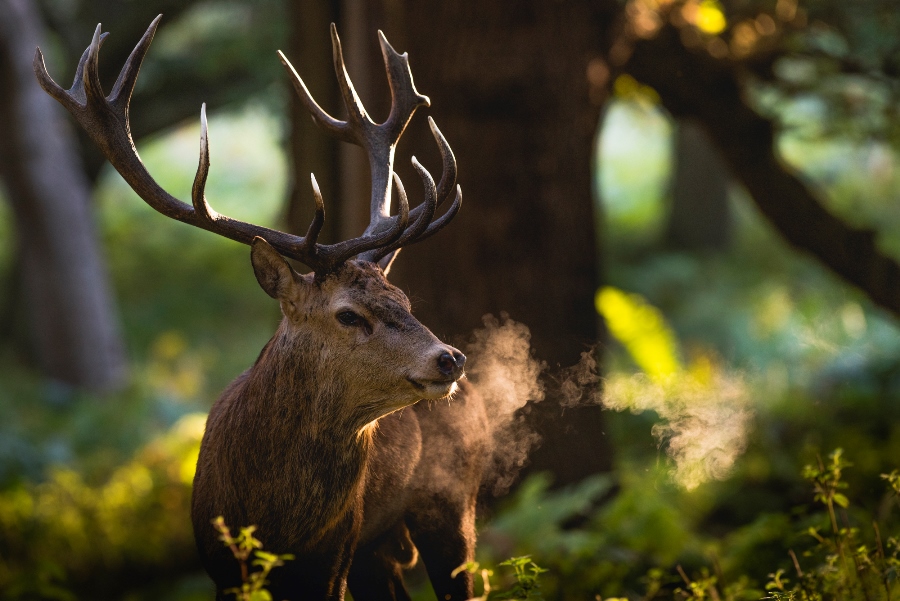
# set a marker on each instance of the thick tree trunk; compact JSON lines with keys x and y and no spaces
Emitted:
{"x":700,"y":216}
{"x":342,"y":170}
{"x":73,"y":319}
{"x":511,"y":92}
{"x":310,"y":150}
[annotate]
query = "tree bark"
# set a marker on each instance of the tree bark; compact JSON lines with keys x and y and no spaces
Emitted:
{"x":310,"y":150}
{"x":73,"y":319}
{"x":692,"y":84}
{"x":699,"y":216}
{"x":511,"y":92}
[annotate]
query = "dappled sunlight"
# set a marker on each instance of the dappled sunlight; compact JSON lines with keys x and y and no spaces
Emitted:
{"x":705,"y":418}
{"x":707,"y":16}
{"x":174,"y":370}
{"x":138,"y":513}
{"x":247,"y":176}
{"x":703,"y":25}
{"x":632,"y":165}
{"x":720,"y":372}
{"x":704,"y":410}
{"x":641,"y":329}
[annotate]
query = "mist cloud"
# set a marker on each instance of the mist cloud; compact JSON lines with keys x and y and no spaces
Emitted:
{"x":704,"y":411}
{"x":704,"y":421}
{"x":507,"y":375}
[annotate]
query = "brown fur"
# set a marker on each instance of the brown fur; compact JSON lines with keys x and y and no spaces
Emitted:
{"x":309,"y":446}
{"x":435,"y":506}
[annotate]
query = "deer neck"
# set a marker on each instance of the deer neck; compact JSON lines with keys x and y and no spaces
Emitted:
{"x":305,"y":434}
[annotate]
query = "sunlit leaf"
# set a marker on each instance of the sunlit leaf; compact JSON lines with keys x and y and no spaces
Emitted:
{"x":710,"y":18}
{"x":642,"y":330}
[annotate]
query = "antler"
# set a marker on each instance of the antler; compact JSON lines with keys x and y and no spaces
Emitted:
{"x":380,"y":142}
{"x":106,"y":121}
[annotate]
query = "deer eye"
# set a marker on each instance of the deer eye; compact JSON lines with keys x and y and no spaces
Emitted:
{"x":353,"y":320}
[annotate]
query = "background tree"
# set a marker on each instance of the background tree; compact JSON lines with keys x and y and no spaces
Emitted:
{"x":63,"y":289}
{"x":700,"y":215}
{"x":58,"y":284}
{"x":512,"y":94}
{"x":709,"y":65}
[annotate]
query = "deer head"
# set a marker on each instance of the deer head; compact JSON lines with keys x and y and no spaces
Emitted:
{"x":353,"y":334}
{"x":348,"y":320}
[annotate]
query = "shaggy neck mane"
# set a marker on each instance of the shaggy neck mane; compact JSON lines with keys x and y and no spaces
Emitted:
{"x":301,"y":431}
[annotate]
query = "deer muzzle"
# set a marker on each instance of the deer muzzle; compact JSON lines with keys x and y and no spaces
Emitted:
{"x":451,"y":363}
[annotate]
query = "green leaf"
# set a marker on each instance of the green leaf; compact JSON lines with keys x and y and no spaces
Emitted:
{"x":841,"y":500}
{"x":522,"y":560}
{"x":266,"y":556}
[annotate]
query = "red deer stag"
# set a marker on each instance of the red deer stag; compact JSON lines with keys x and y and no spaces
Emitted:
{"x":308,"y":444}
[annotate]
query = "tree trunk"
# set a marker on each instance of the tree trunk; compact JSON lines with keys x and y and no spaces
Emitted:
{"x":310,"y":150}
{"x":700,"y":216}
{"x":75,"y":331}
{"x":513,"y":93}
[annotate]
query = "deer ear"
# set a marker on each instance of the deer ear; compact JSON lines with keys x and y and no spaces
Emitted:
{"x":272,"y":271}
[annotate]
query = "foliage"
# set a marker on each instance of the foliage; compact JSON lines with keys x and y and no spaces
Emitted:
{"x":848,"y":567}
{"x":619,"y":557}
{"x":242,"y":546}
{"x":523,"y":582}
{"x":67,"y":529}
{"x":642,"y":329}
{"x":91,"y":488}
{"x":728,"y":534}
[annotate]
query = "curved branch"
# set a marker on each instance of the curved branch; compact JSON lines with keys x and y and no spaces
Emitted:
{"x":694,"y":84}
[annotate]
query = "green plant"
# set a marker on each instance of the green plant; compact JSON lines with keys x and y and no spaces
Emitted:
{"x":525,"y":576}
{"x":242,"y":546}
{"x":849,"y":568}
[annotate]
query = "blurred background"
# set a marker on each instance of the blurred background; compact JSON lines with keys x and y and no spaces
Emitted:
{"x":699,"y":194}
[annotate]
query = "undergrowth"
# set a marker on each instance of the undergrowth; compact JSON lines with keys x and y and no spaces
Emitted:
{"x":254,"y":574}
{"x":835,"y":553}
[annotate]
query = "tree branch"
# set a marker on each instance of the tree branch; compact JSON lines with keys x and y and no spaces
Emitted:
{"x":691,"y":83}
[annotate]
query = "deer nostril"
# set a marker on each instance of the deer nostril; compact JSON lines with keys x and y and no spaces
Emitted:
{"x":460,"y":359}
{"x":446,"y":363}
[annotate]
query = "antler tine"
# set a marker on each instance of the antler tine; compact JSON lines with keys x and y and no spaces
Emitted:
{"x":204,"y":216}
{"x":356,"y":112}
{"x":105,"y":118}
{"x":315,"y":226}
{"x":405,"y":99}
{"x":379,"y":141}
{"x":73,"y":98}
{"x":421,"y":216}
{"x":425,"y":212}
{"x":443,"y":220}
{"x":93,"y":92}
{"x":121,"y":92}
{"x":433,"y":227}
{"x":106,"y":121}
{"x":340,"y":252}
{"x":426,"y":209}
{"x":448,"y":174}
{"x":198,"y":196}
{"x":337,"y":128}
{"x":107,"y":124}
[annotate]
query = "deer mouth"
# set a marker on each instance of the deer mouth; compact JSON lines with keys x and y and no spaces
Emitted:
{"x":433,"y":389}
